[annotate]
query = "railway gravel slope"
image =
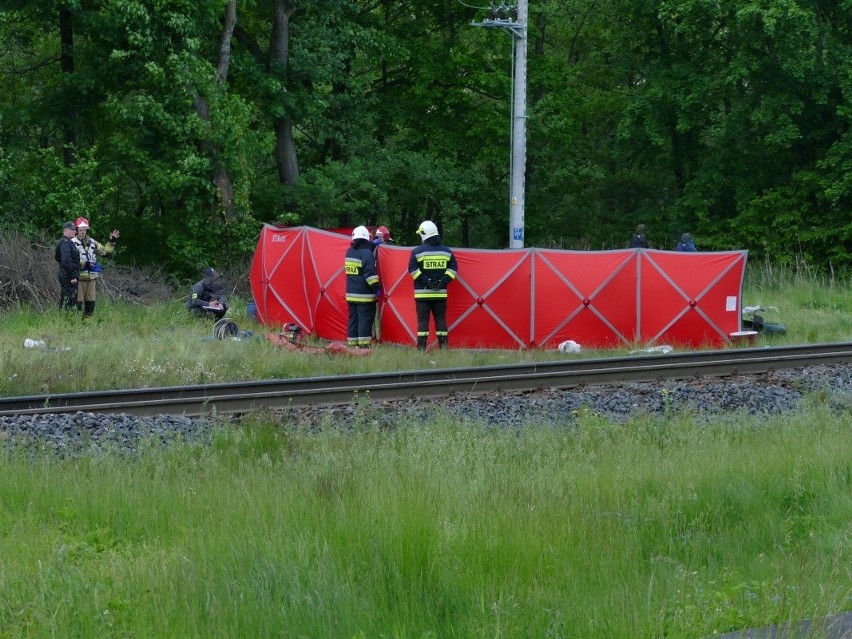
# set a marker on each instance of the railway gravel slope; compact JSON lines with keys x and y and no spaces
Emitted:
{"x":707,"y":398}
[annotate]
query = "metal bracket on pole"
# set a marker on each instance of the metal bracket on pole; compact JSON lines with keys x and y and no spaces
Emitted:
{"x":507,"y":25}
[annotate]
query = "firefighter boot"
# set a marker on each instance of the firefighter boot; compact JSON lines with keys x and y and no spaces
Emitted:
{"x":89,"y":310}
{"x":421,"y":343}
{"x":442,"y":341}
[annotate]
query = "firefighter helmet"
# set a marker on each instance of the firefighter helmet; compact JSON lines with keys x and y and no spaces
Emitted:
{"x":81,"y":223}
{"x":360,"y":233}
{"x":427,"y":229}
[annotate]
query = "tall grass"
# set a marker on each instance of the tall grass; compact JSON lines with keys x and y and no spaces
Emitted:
{"x":654,"y":529}
{"x":159,"y":345}
{"x":814,"y":307}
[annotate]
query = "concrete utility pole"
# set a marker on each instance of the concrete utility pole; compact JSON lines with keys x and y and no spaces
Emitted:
{"x":513,"y":18}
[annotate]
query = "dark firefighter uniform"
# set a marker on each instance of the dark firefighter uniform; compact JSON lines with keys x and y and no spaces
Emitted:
{"x":362,"y":284}
{"x":432,"y":267}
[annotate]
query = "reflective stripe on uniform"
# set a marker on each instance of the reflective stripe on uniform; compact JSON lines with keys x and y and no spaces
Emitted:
{"x":429,"y":294}
{"x":352,"y":266}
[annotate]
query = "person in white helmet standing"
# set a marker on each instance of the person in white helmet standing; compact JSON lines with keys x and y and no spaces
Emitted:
{"x":90,"y":270}
{"x":432,"y":267}
{"x":362,"y":285}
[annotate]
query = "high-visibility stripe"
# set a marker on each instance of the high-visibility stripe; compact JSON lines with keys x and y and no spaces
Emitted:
{"x":360,"y":298}
{"x":424,"y":255}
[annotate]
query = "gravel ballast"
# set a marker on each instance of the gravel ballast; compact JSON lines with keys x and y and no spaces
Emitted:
{"x":768,"y":394}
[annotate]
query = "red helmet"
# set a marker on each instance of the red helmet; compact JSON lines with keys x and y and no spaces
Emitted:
{"x":383,"y":233}
{"x":81,"y":223}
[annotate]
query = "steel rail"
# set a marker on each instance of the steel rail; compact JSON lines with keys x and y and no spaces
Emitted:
{"x":243,"y":397}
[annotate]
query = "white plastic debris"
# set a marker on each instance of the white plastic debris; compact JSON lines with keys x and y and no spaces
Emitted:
{"x":34,"y":343}
{"x":569,"y":346}
{"x":662,"y":348}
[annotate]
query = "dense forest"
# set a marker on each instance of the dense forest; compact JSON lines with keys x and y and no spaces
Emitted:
{"x":189,"y":123}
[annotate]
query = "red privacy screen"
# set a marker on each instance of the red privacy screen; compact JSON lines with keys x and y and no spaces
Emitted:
{"x":523,"y":298}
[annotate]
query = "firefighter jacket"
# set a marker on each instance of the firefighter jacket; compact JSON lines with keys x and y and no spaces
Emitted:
{"x":205,"y":291}
{"x":362,"y":280}
{"x":432,"y":267}
{"x":89,"y":251}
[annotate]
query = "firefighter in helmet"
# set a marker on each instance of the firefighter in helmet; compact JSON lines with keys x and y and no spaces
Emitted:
{"x":432,"y":267}
{"x":90,"y":270}
{"x":362,"y":287}
{"x":382,"y":236}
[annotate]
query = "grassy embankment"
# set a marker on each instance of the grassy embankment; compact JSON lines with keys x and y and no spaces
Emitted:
{"x":673,"y":527}
{"x":130,"y":346}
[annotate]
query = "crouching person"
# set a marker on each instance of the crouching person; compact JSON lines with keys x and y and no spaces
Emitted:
{"x":207,"y":299}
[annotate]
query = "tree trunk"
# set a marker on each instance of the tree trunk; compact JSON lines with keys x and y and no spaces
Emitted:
{"x":66,"y":58}
{"x":221,"y":178}
{"x":279,"y":44}
{"x":225,"y":42}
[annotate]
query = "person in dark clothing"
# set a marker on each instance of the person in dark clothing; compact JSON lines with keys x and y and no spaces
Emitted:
{"x":69,"y":268}
{"x":362,"y":285}
{"x":206,"y":298}
{"x":686,"y":244}
{"x":639,"y":240}
{"x":432,"y":267}
{"x":381,"y":236}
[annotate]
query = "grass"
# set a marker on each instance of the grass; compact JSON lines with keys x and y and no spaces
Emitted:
{"x":671,"y":527}
{"x":131,"y":346}
{"x":653,"y":529}
{"x":814,"y":307}
{"x":161,"y":345}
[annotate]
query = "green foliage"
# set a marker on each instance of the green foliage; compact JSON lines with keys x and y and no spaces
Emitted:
{"x":727,"y":119}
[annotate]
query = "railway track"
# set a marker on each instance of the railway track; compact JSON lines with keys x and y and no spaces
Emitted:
{"x":244,"y":397}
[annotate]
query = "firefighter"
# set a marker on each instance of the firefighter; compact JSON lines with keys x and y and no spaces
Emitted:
{"x":382,"y":236}
{"x":90,"y":270}
{"x":207,"y":298}
{"x":432,"y":267}
{"x":362,"y":287}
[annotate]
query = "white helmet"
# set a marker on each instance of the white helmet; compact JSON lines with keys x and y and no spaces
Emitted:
{"x":427,"y":229}
{"x":360,"y":233}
